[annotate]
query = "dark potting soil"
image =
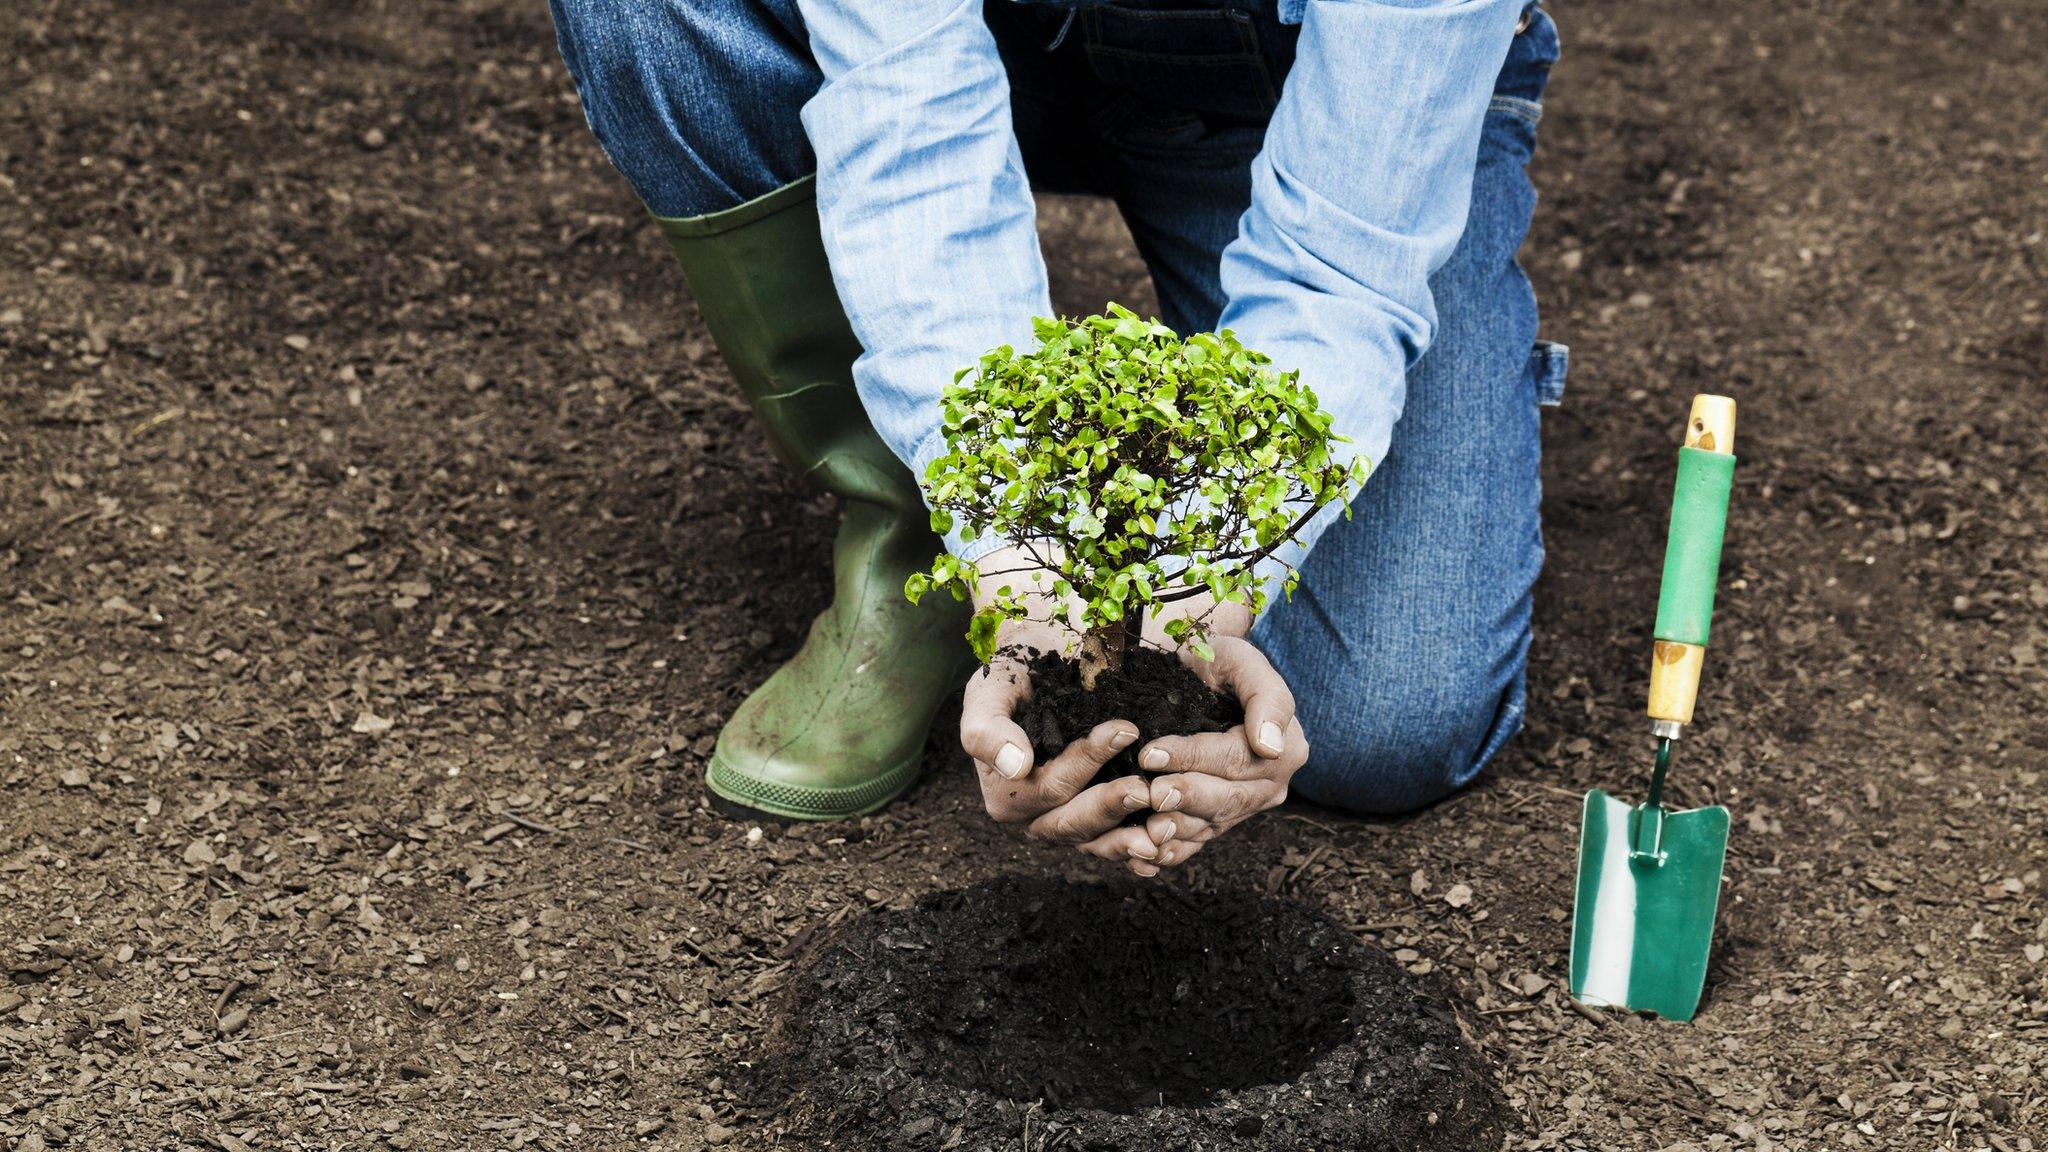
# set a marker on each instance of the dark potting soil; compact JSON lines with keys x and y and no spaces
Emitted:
{"x":1129,"y":1016}
{"x":1153,"y":690}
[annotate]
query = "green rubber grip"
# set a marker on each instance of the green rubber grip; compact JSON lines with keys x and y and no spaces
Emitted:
{"x":1692,"y":554}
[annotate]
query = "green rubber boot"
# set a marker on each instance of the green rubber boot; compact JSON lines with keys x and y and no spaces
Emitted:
{"x":839,"y":730}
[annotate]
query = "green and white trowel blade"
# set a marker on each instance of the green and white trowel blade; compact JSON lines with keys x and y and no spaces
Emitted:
{"x":1650,"y":878}
{"x":1642,"y":927}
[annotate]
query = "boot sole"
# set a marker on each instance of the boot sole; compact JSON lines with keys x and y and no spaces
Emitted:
{"x":736,"y":795}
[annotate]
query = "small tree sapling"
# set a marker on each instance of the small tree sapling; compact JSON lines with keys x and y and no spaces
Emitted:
{"x":1138,"y":468}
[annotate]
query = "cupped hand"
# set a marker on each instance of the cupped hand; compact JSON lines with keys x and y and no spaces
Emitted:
{"x":1209,"y":783}
{"x":1058,"y":800}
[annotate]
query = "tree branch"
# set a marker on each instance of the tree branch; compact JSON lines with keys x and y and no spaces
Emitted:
{"x":1249,"y":559}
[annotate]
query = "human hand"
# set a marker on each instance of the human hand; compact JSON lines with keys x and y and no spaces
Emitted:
{"x":1212,"y":782}
{"x":1218,"y":779}
{"x":1060,"y":799}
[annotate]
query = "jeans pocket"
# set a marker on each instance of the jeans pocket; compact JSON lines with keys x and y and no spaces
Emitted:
{"x":1517,"y":105}
{"x":1526,"y":72}
{"x":1200,"y":60}
{"x":1548,"y":362}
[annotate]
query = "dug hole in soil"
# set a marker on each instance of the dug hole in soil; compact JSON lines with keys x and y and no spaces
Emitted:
{"x":1124,"y":1016}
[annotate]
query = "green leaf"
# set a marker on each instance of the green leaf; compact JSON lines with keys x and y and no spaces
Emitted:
{"x":917,"y":585}
{"x":981,"y":633}
{"x":1114,"y":445}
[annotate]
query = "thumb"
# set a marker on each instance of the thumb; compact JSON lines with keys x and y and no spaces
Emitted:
{"x":1268,"y":703}
{"x":1076,"y":767}
{"x":987,"y":731}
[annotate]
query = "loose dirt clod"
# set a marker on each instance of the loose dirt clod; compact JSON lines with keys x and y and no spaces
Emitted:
{"x":1132,"y":1015}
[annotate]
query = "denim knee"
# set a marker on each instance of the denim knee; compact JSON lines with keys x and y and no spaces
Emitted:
{"x":616,"y":54}
{"x":1421,"y":732}
{"x":696,"y":102}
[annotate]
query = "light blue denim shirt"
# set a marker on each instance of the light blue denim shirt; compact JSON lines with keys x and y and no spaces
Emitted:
{"x":1359,"y":193}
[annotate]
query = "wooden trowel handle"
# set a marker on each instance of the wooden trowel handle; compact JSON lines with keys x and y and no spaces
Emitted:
{"x":1692,"y":560}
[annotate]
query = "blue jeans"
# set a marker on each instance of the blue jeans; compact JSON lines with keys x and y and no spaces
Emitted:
{"x":1407,"y":639}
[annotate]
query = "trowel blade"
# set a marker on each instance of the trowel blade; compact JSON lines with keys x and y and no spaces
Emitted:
{"x":1642,"y":927}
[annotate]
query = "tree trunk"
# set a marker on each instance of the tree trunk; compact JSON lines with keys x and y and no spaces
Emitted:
{"x":1103,"y":649}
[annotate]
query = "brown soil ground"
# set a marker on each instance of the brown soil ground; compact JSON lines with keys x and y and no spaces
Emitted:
{"x":382,"y":544}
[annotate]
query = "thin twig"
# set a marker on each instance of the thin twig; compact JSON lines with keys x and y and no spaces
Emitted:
{"x":1597,"y":1018}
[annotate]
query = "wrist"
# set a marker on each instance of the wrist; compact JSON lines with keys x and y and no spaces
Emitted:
{"x":1032,"y":584}
{"x":1219,"y":619}
{"x":1027,"y":579}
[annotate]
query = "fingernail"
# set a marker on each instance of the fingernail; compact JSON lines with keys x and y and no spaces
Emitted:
{"x":1269,"y":738}
{"x":1122,"y":740}
{"x":1172,"y":800}
{"x":1153,"y":758}
{"x":1010,"y":762}
{"x":1134,"y":803}
{"x":1143,"y":869}
{"x":1172,"y":830}
{"x":1144,"y":851}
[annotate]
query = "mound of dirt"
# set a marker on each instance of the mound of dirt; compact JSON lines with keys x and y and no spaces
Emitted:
{"x":1114,"y":1017}
{"x":1153,"y":690}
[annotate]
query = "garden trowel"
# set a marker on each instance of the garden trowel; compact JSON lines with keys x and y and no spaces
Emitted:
{"x":1650,"y":878}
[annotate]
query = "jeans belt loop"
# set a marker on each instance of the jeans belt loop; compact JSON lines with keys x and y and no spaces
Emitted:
{"x":1066,"y":26}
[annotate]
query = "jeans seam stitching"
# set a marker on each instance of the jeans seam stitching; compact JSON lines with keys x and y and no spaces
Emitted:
{"x":1529,"y":110}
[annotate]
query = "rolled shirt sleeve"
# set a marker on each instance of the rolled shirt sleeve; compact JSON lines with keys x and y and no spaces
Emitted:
{"x":926,"y":211}
{"x":1359,"y":193}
